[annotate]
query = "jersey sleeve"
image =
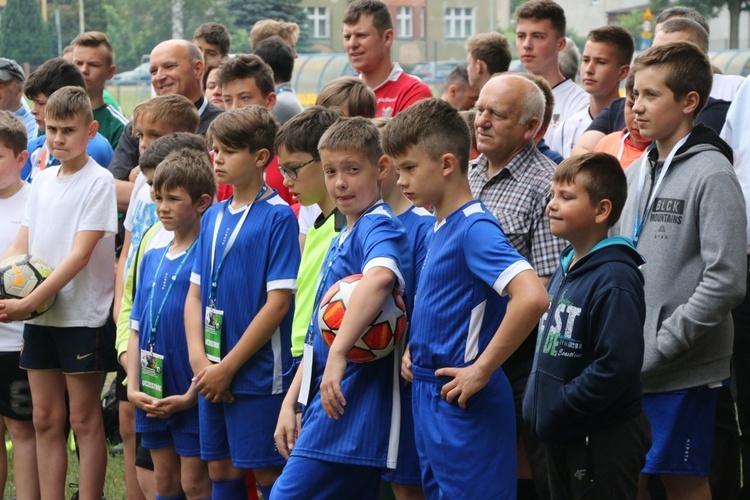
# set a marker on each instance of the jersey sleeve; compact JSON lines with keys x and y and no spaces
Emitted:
{"x":490,"y":256}
{"x":284,"y":252}
{"x":100,"y":150}
{"x":381,"y":249}
{"x":417,"y":92}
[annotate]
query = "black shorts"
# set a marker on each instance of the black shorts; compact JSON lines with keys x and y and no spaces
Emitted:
{"x":121,"y":390}
{"x":72,"y":350}
{"x":142,"y":455}
{"x":15,"y":396}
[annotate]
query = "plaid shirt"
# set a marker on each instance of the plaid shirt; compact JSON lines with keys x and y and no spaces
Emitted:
{"x":518,"y":195}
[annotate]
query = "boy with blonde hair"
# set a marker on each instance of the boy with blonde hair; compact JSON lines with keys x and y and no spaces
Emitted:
{"x":70,"y":223}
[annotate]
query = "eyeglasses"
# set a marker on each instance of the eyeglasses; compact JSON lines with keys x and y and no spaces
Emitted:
{"x":291,"y":172}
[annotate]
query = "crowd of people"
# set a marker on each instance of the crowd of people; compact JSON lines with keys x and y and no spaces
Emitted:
{"x":571,"y":262}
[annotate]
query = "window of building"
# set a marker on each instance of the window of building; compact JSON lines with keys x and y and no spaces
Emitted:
{"x":319,"y":22}
{"x":459,"y":22}
{"x":404,"y":22}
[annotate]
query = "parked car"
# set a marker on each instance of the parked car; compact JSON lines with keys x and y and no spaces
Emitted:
{"x":139,"y":74}
{"x":434,"y":71}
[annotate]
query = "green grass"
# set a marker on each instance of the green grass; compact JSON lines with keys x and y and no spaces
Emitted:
{"x":114,"y":482}
{"x":129,"y":96}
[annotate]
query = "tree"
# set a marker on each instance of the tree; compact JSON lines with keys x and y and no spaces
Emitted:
{"x":245,"y":14}
{"x":23,"y":35}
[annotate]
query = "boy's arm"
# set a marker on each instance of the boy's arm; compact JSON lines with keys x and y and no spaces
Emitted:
{"x":83,"y":246}
{"x":365,"y":303}
{"x":194,"y":329}
{"x":213,"y":381}
{"x":135,"y":395}
{"x":287,"y":427}
{"x":528,"y":302}
{"x":723,"y":252}
{"x":20,"y":245}
{"x":120,"y":275}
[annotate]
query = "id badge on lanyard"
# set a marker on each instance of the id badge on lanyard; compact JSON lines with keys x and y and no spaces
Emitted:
{"x":152,"y":373}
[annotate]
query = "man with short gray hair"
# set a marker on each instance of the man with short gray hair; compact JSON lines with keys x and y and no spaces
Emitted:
{"x":11,"y":94}
{"x":513,"y":179}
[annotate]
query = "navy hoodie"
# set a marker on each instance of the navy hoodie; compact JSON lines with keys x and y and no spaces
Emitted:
{"x":587,"y":365}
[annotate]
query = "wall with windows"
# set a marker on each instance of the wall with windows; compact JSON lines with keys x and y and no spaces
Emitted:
{"x":425,"y":31}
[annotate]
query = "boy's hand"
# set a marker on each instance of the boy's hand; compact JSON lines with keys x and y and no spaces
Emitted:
{"x":406,"y":365}
{"x":466,"y":382}
{"x":330,"y":386}
{"x":287,"y":430}
{"x":165,"y":408}
{"x":213,"y":383}
{"x":14,"y":310}
{"x":142,"y":401}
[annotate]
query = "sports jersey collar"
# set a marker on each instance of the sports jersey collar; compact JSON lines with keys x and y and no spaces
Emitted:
{"x":338,"y":223}
{"x":396,"y":72}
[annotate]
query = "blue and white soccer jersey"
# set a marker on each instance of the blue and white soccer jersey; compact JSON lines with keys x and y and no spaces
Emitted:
{"x":458,"y":308}
{"x":170,"y":338}
{"x":367,"y":434}
{"x":264,"y":257}
{"x":419,"y":224}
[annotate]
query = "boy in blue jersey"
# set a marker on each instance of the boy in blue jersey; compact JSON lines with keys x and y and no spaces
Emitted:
{"x":351,"y":422}
{"x":159,"y":374}
{"x":238,"y":311}
{"x":406,"y":479}
{"x":463,"y":326}
{"x":584,"y":397}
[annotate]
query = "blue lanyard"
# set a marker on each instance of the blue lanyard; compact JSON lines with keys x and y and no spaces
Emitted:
{"x":154,"y":320}
{"x":333,"y":252}
{"x":640,"y":220}
{"x":230,"y":243}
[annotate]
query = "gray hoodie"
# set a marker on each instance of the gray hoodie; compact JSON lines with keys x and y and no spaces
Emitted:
{"x":695,"y":273}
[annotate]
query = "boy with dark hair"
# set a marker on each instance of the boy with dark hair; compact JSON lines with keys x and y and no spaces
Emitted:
{"x":486,"y":55}
{"x":458,"y":91}
{"x":214,"y":40}
{"x":70,"y":223}
{"x":584,"y":395}
{"x":238,"y":318}
{"x":351,"y":421}
{"x":15,"y":397}
{"x":49,"y":77}
{"x":299,"y":163}
{"x":95,"y":57}
{"x":246,"y":80}
{"x":605,"y":63}
{"x":676,"y":212}
{"x":158,"y":366}
{"x":540,"y":36}
{"x":279,"y":56}
{"x":463,"y":327}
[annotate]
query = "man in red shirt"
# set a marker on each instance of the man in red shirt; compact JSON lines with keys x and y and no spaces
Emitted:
{"x":368,"y":36}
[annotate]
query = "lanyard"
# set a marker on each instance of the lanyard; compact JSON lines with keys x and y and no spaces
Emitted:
{"x":154,"y":320}
{"x":204,"y":105}
{"x":232,"y":238}
{"x":641,"y":221}
{"x":333,"y":252}
{"x":622,"y":145}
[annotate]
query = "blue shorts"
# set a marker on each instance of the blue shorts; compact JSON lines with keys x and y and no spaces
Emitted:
{"x":242,"y":430}
{"x":407,"y":472}
{"x":186,"y":444}
{"x":467,"y":453}
{"x":304,"y":477}
{"x":682,"y":427}
{"x":72,"y":350}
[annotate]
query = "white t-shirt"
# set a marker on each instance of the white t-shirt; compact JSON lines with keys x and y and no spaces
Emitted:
{"x":568,"y":132}
{"x":569,"y":99}
{"x":59,"y":208}
{"x":736,"y":132}
{"x":140,"y":216}
{"x":725,"y":87}
{"x":12,"y":210}
{"x":307,"y":216}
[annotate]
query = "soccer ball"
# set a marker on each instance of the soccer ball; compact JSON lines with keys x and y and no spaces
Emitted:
{"x":20,"y":275}
{"x":381,"y":335}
